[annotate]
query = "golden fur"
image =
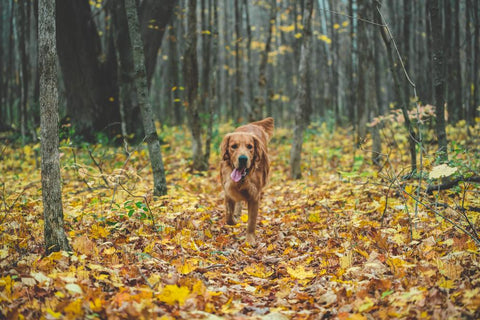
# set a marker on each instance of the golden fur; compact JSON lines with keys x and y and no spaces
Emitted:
{"x":244,"y":170}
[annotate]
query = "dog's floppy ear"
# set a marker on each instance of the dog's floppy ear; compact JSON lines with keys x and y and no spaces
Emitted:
{"x":260,"y":151}
{"x":224,"y":148}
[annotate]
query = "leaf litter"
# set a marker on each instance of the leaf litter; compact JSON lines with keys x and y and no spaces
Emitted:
{"x":323,"y":251}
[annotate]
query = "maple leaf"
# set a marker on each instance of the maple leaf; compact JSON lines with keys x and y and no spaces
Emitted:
{"x":300,"y":273}
{"x":172,"y":293}
{"x":258,"y":270}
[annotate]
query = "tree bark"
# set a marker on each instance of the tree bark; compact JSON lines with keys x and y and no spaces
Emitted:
{"x":190,"y":73}
{"x":260,"y":100}
{"x":154,"y":16}
{"x":438,"y":77}
{"x":130,"y":113}
{"x":151,"y":137}
{"x":301,"y":100}
{"x":55,"y":237}
{"x":412,"y":137}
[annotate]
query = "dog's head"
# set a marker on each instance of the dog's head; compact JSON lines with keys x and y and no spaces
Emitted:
{"x":242,"y":150}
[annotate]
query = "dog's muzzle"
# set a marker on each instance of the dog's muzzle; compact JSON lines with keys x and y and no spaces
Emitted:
{"x":242,"y":161}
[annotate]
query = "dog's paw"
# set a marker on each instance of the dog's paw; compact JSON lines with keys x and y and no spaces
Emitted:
{"x":250,"y":239}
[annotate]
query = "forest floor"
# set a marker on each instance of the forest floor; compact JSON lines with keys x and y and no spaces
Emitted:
{"x":324,"y":250}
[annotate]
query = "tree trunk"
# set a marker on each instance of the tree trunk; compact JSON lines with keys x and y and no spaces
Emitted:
{"x":476,"y":49}
{"x":363,"y":66}
{"x":334,"y":67}
{"x":130,"y":113}
{"x":151,"y":137}
{"x":206,"y":53}
{"x":249,"y":104}
{"x":212,"y":9}
{"x":154,"y":16}
{"x":174,"y":87}
{"x":238,"y":92}
{"x":301,"y":100}
{"x":438,"y":77}
{"x":260,"y":100}
{"x":55,"y":237}
{"x":456,"y":102}
{"x":412,"y":140}
{"x":351,"y":62}
{"x":190,"y":74}
{"x":22,"y":29}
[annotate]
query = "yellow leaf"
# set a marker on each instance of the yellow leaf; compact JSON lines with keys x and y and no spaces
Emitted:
{"x":74,"y":308}
{"x":346,"y":261}
{"x":366,"y":305}
{"x":206,"y":32}
{"x":345,"y":23}
{"x":300,"y":273}
{"x":298,"y":35}
{"x":174,"y":88}
{"x":314,"y":217}
{"x":324,"y":38}
{"x":96,"y":305}
{"x":55,"y":315}
{"x":244,"y":218}
{"x":99,"y":232}
{"x":336,"y":26}
{"x":109,"y":251}
{"x":189,"y":266}
{"x":289,"y":28}
{"x":445,"y":284}
{"x":258,"y":270}
{"x":173,"y":293}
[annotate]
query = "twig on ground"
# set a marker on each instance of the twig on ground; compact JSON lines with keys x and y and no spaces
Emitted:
{"x":451,"y":184}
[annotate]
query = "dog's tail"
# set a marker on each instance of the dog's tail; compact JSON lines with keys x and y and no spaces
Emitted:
{"x":268,"y":125}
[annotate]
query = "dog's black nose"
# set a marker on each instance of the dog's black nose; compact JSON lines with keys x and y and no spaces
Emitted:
{"x":242,"y":160}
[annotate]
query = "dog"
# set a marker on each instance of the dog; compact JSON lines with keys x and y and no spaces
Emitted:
{"x":244,"y":170}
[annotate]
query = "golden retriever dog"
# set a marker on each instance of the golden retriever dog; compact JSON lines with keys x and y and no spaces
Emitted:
{"x":244,"y":170}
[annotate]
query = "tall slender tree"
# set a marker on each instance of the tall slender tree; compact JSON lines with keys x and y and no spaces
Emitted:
{"x":301,"y":99}
{"x":438,"y":76}
{"x":151,"y":137}
{"x":260,"y":99}
{"x":55,"y":237}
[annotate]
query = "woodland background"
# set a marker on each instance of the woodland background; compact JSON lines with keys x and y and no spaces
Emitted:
{"x":372,"y":209}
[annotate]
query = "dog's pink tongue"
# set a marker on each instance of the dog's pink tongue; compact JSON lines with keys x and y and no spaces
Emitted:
{"x":236,"y":175}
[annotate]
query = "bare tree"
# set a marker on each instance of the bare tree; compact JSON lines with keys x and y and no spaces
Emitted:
{"x":301,"y":100}
{"x":438,"y":76}
{"x":55,"y":238}
{"x":151,"y":137}
{"x":260,"y":100}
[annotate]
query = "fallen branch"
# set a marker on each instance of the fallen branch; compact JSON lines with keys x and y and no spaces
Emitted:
{"x":451,"y":184}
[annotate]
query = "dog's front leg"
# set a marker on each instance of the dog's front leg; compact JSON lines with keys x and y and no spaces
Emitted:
{"x":252,"y":221}
{"x":230,"y":206}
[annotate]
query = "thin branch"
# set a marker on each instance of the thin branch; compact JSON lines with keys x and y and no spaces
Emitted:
{"x":475,"y":239}
{"x":99,"y":167}
{"x":351,"y":17}
{"x":451,"y":184}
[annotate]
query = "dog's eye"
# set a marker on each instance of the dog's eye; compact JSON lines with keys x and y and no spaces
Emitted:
{"x":235,"y":146}
{"x":249,"y":146}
